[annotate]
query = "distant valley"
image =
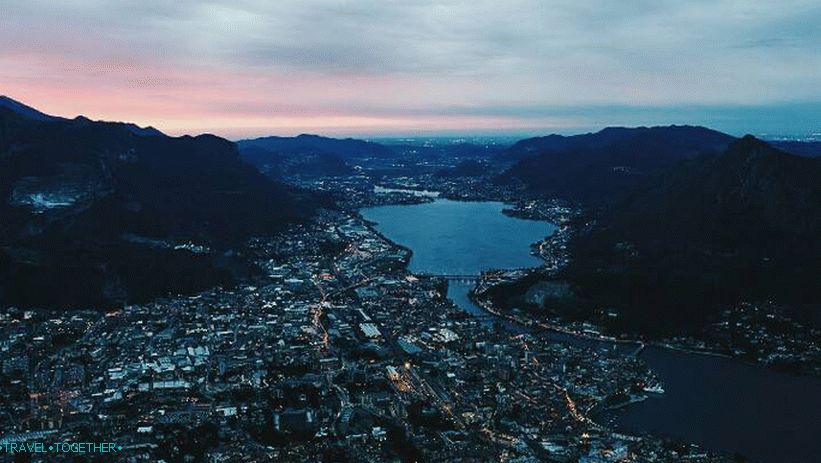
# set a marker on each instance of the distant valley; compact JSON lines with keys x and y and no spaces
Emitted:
{"x":676,"y":219}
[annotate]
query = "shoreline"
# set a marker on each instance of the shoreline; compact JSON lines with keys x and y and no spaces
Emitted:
{"x":559,"y":329}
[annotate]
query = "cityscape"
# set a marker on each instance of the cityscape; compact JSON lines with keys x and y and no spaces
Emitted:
{"x":337,"y":355}
{"x":420,"y":232}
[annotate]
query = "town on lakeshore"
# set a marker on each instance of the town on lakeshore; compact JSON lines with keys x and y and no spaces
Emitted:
{"x":421,"y":231}
{"x":336,"y":351}
{"x":340,"y":352}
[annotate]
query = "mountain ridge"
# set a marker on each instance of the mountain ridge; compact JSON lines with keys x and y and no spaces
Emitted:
{"x":99,"y":209}
{"x":713,"y":231}
{"x":29,"y":112}
{"x":343,"y":147}
{"x":599,"y":167}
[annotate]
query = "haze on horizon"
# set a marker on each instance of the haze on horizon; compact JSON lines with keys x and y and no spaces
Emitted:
{"x":373,"y":68}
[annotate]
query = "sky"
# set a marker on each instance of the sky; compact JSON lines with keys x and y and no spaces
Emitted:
{"x":243,"y":68}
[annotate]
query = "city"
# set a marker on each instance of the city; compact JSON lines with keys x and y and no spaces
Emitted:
{"x":332,"y":355}
{"x":425,"y":231}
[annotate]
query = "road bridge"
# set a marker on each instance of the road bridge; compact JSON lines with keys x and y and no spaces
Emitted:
{"x":461,"y":278}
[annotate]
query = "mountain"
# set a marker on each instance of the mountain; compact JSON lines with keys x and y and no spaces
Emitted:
{"x":24,"y":110}
{"x":298,"y":162}
{"x":554,"y":143}
{"x":98,"y":213}
{"x":33,"y":114}
{"x":801,"y":148}
{"x":598,"y":167}
{"x":309,"y":155}
{"x":714,"y":230}
{"x":347,"y":148}
{"x":751,"y":187}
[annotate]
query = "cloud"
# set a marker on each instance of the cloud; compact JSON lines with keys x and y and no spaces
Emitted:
{"x":490,"y":63}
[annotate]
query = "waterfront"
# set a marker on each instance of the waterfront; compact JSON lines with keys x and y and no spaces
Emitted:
{"x":727,"y":405}
{"x":720,"y":403}
{"x":456,"y":237}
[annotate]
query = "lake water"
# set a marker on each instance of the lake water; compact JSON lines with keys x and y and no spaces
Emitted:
{"x":457,"y":237}
{"x":724,"y":405}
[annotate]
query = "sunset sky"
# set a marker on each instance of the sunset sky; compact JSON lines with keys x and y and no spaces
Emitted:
{"x":247,"y":68}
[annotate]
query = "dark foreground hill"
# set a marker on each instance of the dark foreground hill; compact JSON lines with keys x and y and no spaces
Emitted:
{"x":600,"y":167}
{"x":97,"y":213}
{"x":744,"y":225}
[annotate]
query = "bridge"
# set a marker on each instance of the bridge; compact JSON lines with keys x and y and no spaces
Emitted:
{"x":638,"y":350}
{"x":461,"y":278}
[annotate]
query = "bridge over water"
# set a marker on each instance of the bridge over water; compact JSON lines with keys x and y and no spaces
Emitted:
{"x":461,"y":278}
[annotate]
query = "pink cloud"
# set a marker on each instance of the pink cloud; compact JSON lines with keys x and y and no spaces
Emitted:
{"x":235,"y":103}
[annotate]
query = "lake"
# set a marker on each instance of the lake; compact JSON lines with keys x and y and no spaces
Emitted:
{"x":456,"y":237}
{"x":723,"y":404}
